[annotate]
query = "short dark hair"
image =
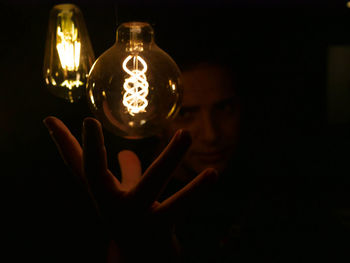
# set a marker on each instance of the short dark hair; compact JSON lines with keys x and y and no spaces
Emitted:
{"x":228,"y":65}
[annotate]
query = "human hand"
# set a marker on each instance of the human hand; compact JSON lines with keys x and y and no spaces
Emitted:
{"x":140,"y":226}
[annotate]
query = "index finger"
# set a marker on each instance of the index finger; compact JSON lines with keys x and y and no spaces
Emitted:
{"x":100,"y":179}
{"x":157,"y":175}
{"x":174,"y":206}
{"x":67,"y":145}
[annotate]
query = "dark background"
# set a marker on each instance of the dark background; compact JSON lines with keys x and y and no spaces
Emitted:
{"x":280,"y":47}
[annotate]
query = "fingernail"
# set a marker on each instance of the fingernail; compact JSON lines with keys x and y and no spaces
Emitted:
{"x":45,"y":121}
{"x":214,"y":174}
{"x":91,"y":130}
{"x":88,"y":124}
{"x":48,"y":124}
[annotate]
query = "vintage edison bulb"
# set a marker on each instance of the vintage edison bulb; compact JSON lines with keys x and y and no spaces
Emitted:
{"x":134,"y":88}
{"x":68,"y":54}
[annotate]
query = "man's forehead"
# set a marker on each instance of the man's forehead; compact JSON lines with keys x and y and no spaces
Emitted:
{"x":207,"y":85}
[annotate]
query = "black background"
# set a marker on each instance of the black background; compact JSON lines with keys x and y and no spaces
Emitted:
{"x":281,"y":49}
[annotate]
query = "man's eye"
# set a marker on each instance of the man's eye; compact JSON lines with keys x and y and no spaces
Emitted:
{"x":186,"y":114}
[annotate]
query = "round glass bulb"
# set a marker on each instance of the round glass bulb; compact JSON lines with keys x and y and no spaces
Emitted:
{"x":134,"y":88}
{"x":68,"y":53}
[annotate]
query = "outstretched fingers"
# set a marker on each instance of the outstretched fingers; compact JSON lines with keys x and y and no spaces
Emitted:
{"x":100,"y":179}
{"x":158,"y":174}
{"x":67,"y":145}
{"x":175,"y":205}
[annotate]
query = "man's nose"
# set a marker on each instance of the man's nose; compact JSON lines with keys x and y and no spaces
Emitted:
{"x":209,"y":131}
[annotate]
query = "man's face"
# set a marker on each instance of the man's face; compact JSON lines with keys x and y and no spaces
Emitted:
{"x":210,"y":112}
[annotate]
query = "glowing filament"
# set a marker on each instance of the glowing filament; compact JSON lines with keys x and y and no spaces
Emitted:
{"x":136,"y":86}
{"x":71,"y":83}
{"x":68,"y":44}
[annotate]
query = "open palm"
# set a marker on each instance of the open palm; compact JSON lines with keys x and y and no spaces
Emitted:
{"x":139,"y":225}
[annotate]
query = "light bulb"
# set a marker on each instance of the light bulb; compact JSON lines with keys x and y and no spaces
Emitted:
{"x":134,"y":88}
{"x":68,"y":54}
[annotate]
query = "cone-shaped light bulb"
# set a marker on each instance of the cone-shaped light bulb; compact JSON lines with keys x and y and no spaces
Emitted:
{"x":68,"y":53}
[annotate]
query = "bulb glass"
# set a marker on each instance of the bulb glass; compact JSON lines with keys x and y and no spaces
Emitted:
{"x":134,"y":88}
{"x":68,"y":53}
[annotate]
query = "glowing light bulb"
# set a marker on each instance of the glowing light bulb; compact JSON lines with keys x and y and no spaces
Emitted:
{"x":68,"y":54}
{"x":134,"y":88}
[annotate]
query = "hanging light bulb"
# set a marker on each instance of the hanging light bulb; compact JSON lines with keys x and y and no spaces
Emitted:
{"x":68,"y":55}
{"x":134,"y":88}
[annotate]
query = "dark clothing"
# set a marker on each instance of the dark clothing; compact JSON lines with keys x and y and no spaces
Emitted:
{"x":266,"y":218}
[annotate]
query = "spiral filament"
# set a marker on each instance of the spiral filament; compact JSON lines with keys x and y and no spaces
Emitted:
{"x":136,"y":86}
